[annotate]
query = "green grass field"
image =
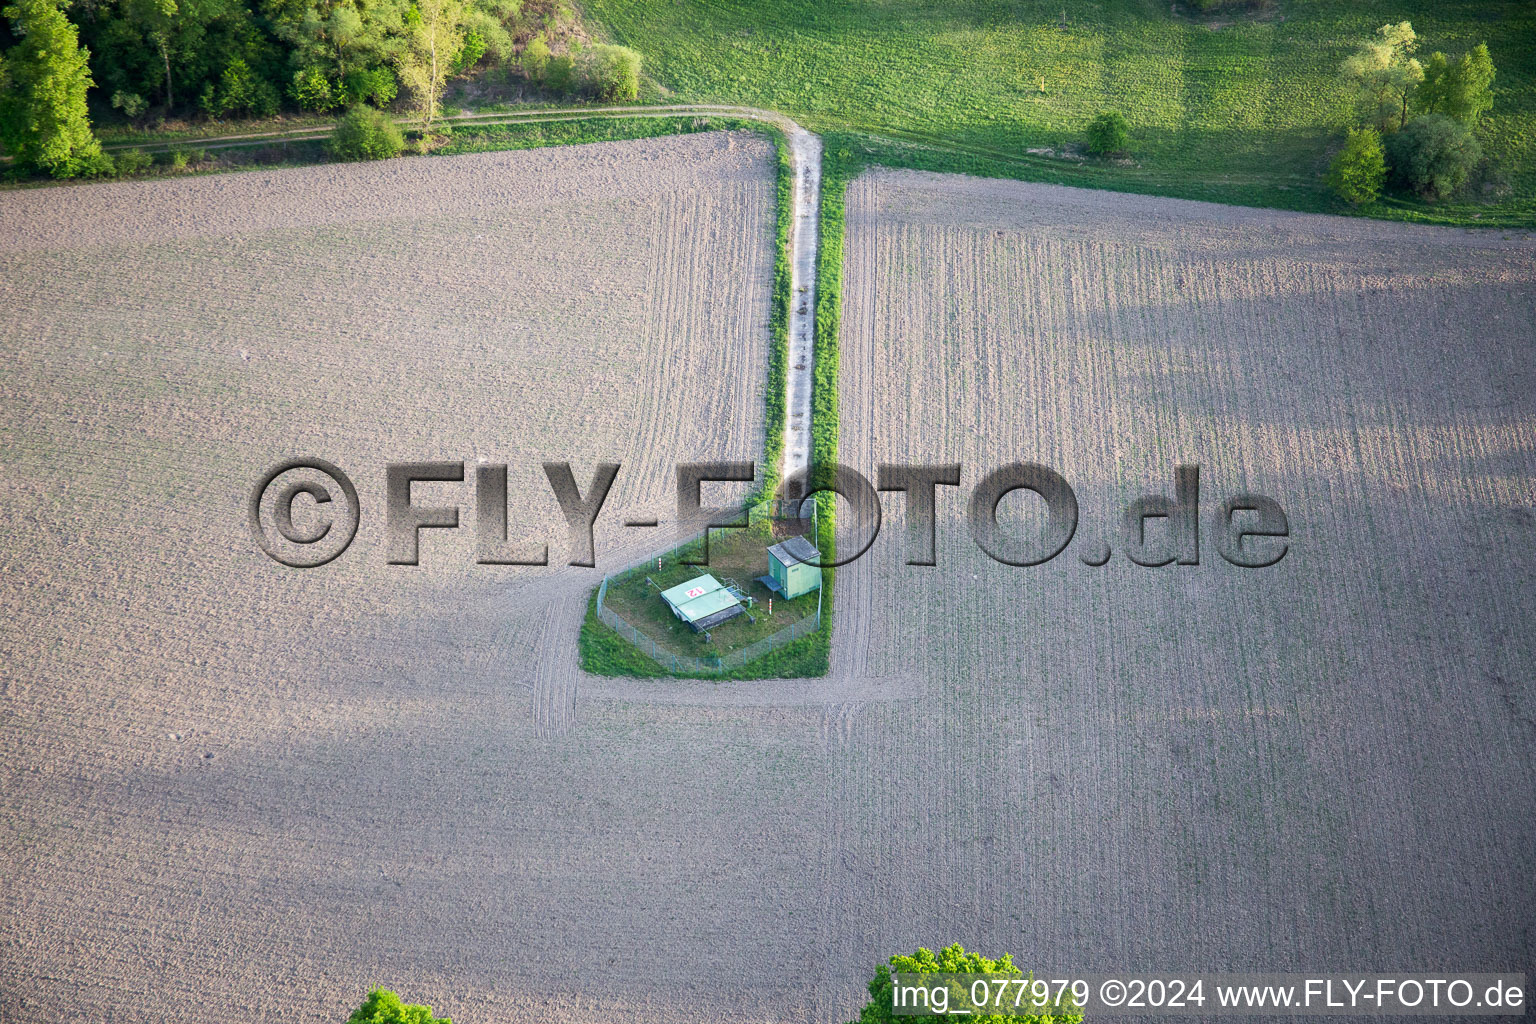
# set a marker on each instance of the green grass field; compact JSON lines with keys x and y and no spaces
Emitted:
{"x":1238,"y":108}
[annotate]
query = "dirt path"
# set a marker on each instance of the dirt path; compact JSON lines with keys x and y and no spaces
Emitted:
{"x":805,"y":155}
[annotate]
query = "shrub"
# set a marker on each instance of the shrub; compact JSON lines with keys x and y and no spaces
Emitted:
{"x":1360,"y":169}
{"x":955,"y":960}
{"x":130,"y":103}
{"x":239,"y":91}
{"x":311,"y":90}
{"x":536,"y":58}
{"x":385,"y":1007}
{"x":130,"y":161}
{"x":612,"y":72}
{"x":366,"y":134}
{"x":1109,"y":134}
{"x":560,"y":74}
{"x":1433,"y":155}
{"x":375,"y":85}
{"x":470,"y":53}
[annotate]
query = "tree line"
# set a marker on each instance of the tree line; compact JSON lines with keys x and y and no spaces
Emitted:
{"x":64,"y":61}
{"x":1419,"y":117}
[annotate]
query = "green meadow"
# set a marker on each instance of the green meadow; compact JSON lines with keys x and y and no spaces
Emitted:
{"x":1239,"y":107}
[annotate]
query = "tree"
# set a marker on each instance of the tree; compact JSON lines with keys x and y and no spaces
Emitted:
{"x":881,"y":1007}
{"x":239,"y":90}
{"x":1108,"y":134}
{"x":376,"y":86}
{"x":311,"y":90}
{"x":1385,"y":74}
{"x":366,"y":134}
{"x":1462,"y":89}
{"x":384,"y":1007}
{"x":489,"y":18}
{"x":43,"y":80}
{"x":1360,"y":169}
{"x":1433,"y":155}
{"x":339,"y":38}
{"x":434,"y":36}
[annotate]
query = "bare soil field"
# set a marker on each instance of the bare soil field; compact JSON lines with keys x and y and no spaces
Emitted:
{"x":1327,"y":764}
{"x":233,"y":790}
{"x":230,"y":790}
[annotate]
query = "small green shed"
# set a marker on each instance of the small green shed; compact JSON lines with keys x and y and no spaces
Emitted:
{"x":793,"y":568}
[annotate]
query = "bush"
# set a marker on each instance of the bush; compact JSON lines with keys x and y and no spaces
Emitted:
{"x":130,"y":161}
{"x":1433,"y":155}
{"x":239,"y":91}
{"x":535,"y":58}
{"x":384,"y":1007}
{"x":560,"y":74}
{"x":175,"y":159}
{"x":130,"y":103}
{"x":1360,"y":169}
{"x":470,"y":53}
{"x":1109,"y":134}
{"x":612,"y":72}
{"x":311,"y":90}
{"x":366,"y":134}
{"x":376,"y":86}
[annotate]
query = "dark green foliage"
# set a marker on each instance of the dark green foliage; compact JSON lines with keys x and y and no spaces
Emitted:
{"x":952,"y":960}
{"x":170,"y":51}
{"x":366,"y":134}
{"x":128,"y":162}
{"x":368,"y":85}
{"x":560,"y":74}
{"x":43,"y":80}
{"x":1433,"y":155}
{"x":239,"y":91}
{"x":1109,"y":134}
{"x":1359,"y":171}
{"x":778,"y":317}
{"x":611,"y":73}
{"x":130,"y":103}
{"x":384,"y":1007}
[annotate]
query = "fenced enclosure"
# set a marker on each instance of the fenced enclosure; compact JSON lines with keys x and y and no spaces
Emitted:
{"x":659,"y":650}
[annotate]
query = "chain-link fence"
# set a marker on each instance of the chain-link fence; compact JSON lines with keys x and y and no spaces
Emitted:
{"x":683,"y":663}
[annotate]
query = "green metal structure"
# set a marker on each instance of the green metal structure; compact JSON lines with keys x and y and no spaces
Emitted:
{"x":792,"y":568}
{"x":702,"y":602}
